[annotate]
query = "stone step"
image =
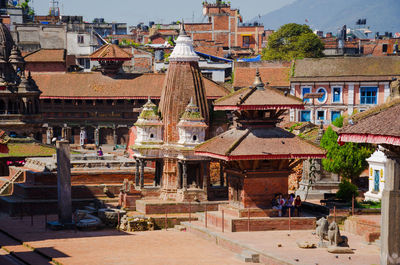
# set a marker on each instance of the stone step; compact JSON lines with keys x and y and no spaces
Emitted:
{"x":249,"y":256}
{"x":180,"y":227}
{"x":21,"y":252}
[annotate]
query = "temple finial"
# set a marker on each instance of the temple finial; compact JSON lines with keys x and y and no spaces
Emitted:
{"x":182,"y":31}
{"x":258,"y":82}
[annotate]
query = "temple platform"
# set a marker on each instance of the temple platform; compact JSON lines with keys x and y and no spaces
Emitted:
{"x":161,"y":207}
{"x":244,"y":224}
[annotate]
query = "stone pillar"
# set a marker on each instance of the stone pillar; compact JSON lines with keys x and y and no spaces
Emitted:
{"x":82,"y":137}
{"x":115,"y":136}
{"x":184,"y":175}
{"x":97,"y":136}
{"x":64,"y":183}
{"x":137,"y":174}
{"x":156,"y":173}
{"x":390,"y":216}
{"x":142,"y":162}
{"x":49,"y":135}
{"x":221,"y":174}
{"x":66,"y":133}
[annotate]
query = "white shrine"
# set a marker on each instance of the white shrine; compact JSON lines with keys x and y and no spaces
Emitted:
{"x":378,"y":163}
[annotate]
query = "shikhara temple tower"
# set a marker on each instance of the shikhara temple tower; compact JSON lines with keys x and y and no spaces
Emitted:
{"x":258,"y":155}
{"x":182,"y":119}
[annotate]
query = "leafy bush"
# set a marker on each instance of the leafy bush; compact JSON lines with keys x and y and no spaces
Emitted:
{"x":369,"y":205}
{"x":338,"y":122}
{"x":347,"y":190}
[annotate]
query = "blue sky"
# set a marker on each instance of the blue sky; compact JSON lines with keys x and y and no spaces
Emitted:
{"x":160,"y":11}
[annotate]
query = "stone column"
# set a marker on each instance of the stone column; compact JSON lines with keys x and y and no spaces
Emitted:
{"x":221,"y":174}
{"x":49,"y":135}
{"x":115,"y":136}
{"x":156,"y":173}
{"x":137,"y":174}
{"x":142,"y":162}
{"x":64,"y":182}
{"x":390,"y":216}
{"x":97,"y":136}
{"x":184,"y":175}
{"x":82,"y":137}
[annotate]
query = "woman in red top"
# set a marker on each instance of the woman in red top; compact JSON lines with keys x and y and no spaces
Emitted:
{"x":297,"y":204}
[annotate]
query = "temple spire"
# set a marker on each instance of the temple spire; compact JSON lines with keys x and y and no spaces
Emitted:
{"x":182,"y":31}
{"x":258,"y":82}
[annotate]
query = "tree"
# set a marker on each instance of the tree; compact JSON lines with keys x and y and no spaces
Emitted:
{"x":348,"y":160}
{"x":293,"y":41}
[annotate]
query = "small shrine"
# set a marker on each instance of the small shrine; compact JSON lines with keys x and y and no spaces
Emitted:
{"x":378,"y":163}
{"x":258,"y":156}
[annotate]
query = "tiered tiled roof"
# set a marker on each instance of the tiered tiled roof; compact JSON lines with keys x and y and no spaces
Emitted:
{"x":110,"y":52}
{"x":257,"y":137}
{"x":97,"y":86}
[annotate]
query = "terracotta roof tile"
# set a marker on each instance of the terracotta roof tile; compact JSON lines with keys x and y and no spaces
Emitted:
{"x":110,"y":52}
{"x":46,"y":55}
{"x":259,"y":143}
{"x":96,"y":85}
{"x":276,"y":75}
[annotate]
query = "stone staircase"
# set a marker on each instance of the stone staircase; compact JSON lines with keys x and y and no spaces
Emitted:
{"x":6,"y":183}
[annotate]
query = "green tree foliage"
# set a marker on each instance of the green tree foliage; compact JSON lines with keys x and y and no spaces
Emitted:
{"x":28,"y":9}
{"x":338,"y":122}
{"x":347,"y":190}
{"x":293,"y":41}
{"x":348,"y":160}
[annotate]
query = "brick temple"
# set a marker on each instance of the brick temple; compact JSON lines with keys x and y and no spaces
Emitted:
{"x":258,"y":156}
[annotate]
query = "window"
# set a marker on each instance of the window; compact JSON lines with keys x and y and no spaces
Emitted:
{"x":337,"y":94}
{"x":246,"y":41}
{"x":207,"y":75}
{"x":305,"y":90}
{"x":368,"y":95}
{"x":81,"y":39}
{"x":323,"y":98}
{"x":335,"y":115}
{"x":384,"y":47}
{"x":376,"y":180}
{"x":305,"y":115}
{"x":321,"y":115}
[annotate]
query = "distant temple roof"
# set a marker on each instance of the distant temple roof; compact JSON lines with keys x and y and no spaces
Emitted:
{"x":346,"y":69}
{"x":254,"y":98}
{"x":110,"y":52}
{"x":378,"y":125}
{"x":97,"y":86}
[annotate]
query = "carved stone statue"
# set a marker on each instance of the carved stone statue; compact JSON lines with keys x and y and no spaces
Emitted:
{"x":334,"y":237}
{"x":394,"y":89}
{"x":322,"y":229}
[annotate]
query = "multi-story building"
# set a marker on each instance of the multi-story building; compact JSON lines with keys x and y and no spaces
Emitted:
{"x":346,"y":85}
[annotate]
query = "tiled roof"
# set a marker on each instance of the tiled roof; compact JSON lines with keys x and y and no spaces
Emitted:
{"x":382,"y":121}
{"x":253,"y":98}
{"x":96,"y":85}
{"x":346,"y":68}
{"x":110,"y":52}
{"x":276,"y":75}
{"x":258,"y":143}
{"x":46,"y":55}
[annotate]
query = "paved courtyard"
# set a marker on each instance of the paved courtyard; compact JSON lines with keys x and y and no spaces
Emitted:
{"x":111,"y":247}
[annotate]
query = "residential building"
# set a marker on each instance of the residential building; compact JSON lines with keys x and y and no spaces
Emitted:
{"x":48,"y":60}
{"x":346,"y":84}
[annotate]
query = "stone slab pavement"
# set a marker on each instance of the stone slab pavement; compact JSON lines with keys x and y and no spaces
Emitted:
{"x":111,"y":247}
{"x":268,"y":242}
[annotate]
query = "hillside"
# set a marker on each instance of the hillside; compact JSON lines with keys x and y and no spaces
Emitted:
{"x":328,"y":15}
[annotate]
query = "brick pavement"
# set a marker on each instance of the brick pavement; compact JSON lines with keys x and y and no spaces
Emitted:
{"x":113,"y":248}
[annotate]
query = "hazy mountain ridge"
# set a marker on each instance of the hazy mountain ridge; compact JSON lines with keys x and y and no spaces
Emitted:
{"x":328,"y":15}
